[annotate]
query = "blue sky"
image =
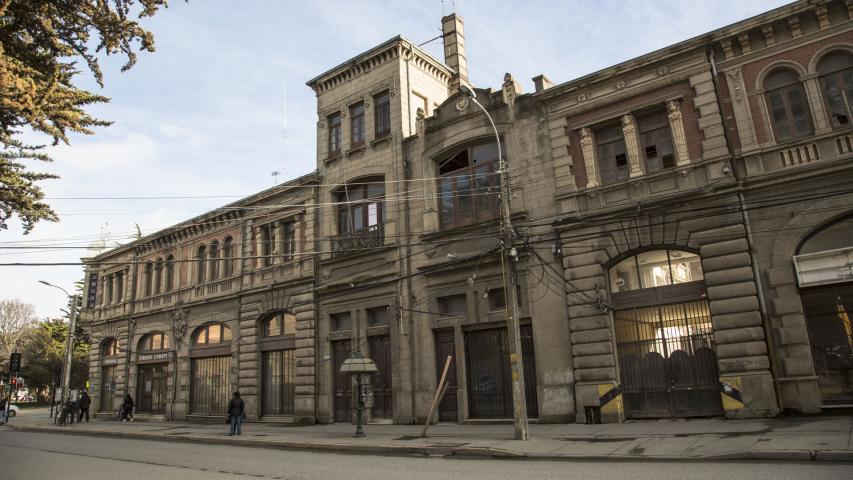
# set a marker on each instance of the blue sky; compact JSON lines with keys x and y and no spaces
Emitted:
{"x":204,"y":116}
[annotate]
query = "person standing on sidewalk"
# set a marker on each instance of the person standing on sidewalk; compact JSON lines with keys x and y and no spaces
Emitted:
{"x":236,"y":414}
{"x":3,"y":417}
{"x":85,"y":401}
{"x":127,"y":409}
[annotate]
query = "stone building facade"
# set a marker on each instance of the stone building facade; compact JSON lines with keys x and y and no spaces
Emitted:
{"x":684,"y":224}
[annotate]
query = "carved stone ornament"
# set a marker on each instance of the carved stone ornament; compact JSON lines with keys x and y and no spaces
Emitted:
{"x":673,"y":106}
{"x":462,"y":103}
{"x":507,"y":77}
{"x":627,"y":121}
{"x":131,"y":327}
{"x":620,"y":85}
{"x":179,"y":324}
{"x":321,"y":124}
{"x":585,"y":133}
{"x":663,"y":70}
{"x":581,"y":98}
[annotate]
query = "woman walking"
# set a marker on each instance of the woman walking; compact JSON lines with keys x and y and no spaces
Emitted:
{"x":127,"y":409}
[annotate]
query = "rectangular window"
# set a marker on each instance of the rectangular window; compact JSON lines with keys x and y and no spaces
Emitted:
{"x":279,"y":382}
{"x":612,"y":155}
{"x":469,"y":186}
{"x":288,"y":234}
{"x":452,"y":305}
{"x":656,"y":141}
{"x":382,"y":114}
{"x":334,"y":134}
{"x":377,"y":316}
{"x":266,"y":244}
{"x":340,"y":321}
{"x":356,"y":115}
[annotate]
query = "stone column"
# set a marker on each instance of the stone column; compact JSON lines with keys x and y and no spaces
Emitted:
{"x":259,"y":248}
{"x":814,"y":95}
{"x":676,"y":126}
{"x":114,"y":289}
{"x":741,"y":110}
{"x":632,"y":145}
{"x":276,"y":237}
{"x":588,"y":148}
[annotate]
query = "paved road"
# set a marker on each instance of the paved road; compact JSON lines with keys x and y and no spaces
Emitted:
{"x":72,"y":457}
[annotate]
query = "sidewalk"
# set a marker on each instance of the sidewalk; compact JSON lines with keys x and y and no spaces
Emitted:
{"x":792,"y":439}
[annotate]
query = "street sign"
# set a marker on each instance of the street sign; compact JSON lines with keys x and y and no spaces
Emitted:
{"x":15,"y":362}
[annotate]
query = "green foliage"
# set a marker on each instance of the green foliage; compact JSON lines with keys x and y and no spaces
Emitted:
{"x":44,"y":352}
{"x":41,"y":42}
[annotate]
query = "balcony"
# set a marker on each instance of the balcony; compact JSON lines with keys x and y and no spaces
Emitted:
{"x":218,"y":286}
{"x":358,"y":241}
{"x":809,"y":152}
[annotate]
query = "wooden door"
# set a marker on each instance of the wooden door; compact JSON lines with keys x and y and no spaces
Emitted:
{"x":448,"y":409}
{"x":380,"y":352}
{"x":342,"y":385}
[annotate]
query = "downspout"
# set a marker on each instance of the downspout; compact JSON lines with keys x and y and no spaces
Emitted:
{"x":756,"y":272}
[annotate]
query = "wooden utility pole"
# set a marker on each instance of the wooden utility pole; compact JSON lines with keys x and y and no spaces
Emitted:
{"x":509,"y":256}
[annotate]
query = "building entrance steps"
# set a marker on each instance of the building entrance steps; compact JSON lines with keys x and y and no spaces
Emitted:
{"x":791,"y":439}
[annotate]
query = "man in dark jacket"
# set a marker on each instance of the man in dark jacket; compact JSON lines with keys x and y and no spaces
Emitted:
{"x":85,"y":401}
{"x":236,"y":413}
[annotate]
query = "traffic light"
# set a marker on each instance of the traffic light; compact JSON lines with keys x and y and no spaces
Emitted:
{"x":14,"y":381}
{"x":15,"y":362}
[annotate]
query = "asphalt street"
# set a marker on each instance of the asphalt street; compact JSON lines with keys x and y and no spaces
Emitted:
{"x":71,"y":457}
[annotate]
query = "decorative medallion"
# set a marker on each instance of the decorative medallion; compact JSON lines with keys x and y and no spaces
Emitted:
{"x":663,"y":70}
{"x":462,"y":103}
{"x":620,"y":85}
{"x":581,"y":98}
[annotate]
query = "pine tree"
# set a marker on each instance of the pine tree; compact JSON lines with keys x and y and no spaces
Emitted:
{"x":41,"y":43}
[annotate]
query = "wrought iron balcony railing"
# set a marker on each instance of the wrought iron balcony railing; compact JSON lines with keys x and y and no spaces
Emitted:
{"x":358,"y":241}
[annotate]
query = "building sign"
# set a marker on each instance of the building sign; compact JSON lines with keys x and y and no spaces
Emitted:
{"x":153,"y":356}
{"x":822,"y":268}
{"x":110,"y":360}
{"x":93,"y":290}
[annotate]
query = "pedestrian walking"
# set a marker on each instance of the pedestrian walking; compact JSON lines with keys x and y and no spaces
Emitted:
{"x":236,"y":414}
{"x":127,"y":409}
{"x":3,"y":414}
{"x":85,"y":401}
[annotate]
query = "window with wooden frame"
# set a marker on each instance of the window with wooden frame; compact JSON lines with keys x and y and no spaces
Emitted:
{"x":212,"y":334}
{"x":787,"y":104}
{"x":214,"y":260}
{"x":158,"y":277}
{"x":288,"y":240}
{"x":836,"y":81}
{"x":110,"y":348}
{"x":201,"y":263}
{"x":228,"y":257}
{"x":335,"y":134}
{"x":266,"y":232}
{"x":656,"y":141}
{"x":119,"y":286}
{"x":340,"y":321}
{"x":154,"y":341}
{"x":170,"y":273}
{"x":469,"y":186}
{"x":361,"y":205}
{"x":356,"y":116}
{"x":382,"y":114}
{"x":283,"y":323}
{"x":452,"y":305}
{"x":378,"y":316}
{"x":149,"y":278}
{"x":612,"y":154}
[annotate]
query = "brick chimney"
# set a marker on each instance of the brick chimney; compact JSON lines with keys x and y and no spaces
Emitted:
{"x":454,"y":47}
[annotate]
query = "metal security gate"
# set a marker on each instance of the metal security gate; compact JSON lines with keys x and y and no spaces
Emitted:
{"x":108,"y":387}
{"x":209,"y":394}
{"x":667,"y":361}
{"x":490,"y":374}
{"x":279,"y":382}
{"x":380,"y":352}
{"x":829,"y":311}
{"x":151,"y":388}
{"x":342,"y":388}
{"x":448,"y":409}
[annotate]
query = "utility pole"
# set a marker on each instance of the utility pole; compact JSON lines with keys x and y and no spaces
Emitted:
{"x":69,"y":351}
{"x":509,"y":256}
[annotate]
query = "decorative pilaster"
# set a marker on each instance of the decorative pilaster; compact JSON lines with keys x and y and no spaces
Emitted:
{"x":794,"y":24}
{"x":822,"y":15}
{"x":769,"y":36}
{"x":676,"y":126}
{"x":632,"y":145}
{"x":114,"y":290}
{"x":259,"y":248}
{"x":588,"y":148}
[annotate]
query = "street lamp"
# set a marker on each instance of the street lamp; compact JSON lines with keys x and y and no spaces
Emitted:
{"x":69,"y":346}
{"x":359,"y":365}
{"x":508,"y":258}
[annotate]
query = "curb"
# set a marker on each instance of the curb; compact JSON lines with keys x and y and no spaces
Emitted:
{"x":461,"y":451}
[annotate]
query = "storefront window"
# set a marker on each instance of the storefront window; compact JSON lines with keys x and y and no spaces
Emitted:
{"x":656,"y":268}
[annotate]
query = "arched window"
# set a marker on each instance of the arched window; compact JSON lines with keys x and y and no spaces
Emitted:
{"x":201,"y":263}
{"x":154,"y":341}
{"x":158,"y":277}
{"x":836,"y":80}
{"x":214,"y":260}
{"x":212,"y":334}
{"x":170,"y":273}
{"x":656,"y":268}
{"x":468,"y":186}
{"x":283,"y":323}
{"x":786,"y":104}
{"x":110,"y":347}
{"x":149,"y":272}
{"x":227,"y":256}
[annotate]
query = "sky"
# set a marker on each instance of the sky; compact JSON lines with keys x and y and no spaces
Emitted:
{"x":222,"y":103}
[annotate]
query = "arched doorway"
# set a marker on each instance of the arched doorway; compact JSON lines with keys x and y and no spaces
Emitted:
{"x":278,"y":363}
{"x":152,"y":368}
{"x":664,"y":336}
{"x":210,"y":376}
{"x":824,"y":264}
